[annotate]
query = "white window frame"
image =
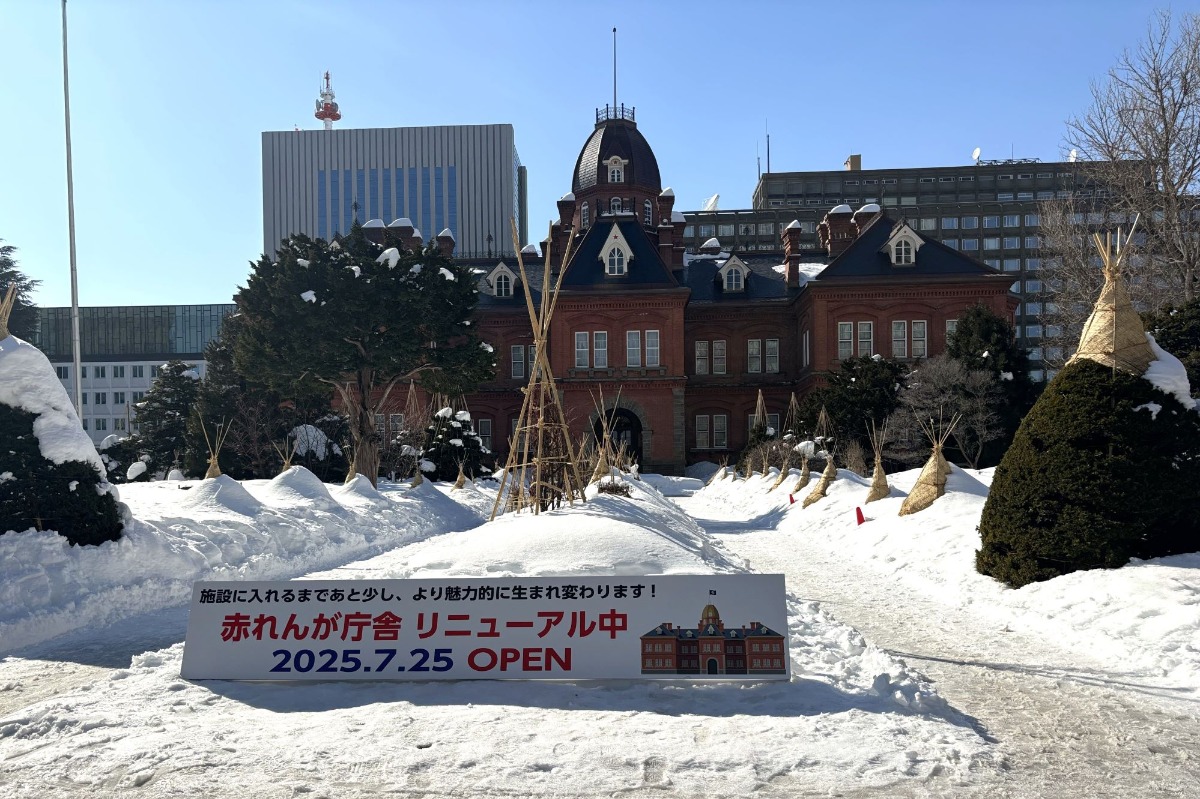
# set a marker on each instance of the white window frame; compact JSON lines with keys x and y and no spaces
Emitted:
{"x":703,"y":431}
{"x":516,"y":354}
{"x":614,"y":205}
{"x":600,"y":349}
{"x":720,"y":357}
{"x":899,"y":338}
{"x":653,"y":349}
{"x":483,"y":429}
{"x":503,"y":285}
{"x":585,"y":215}
{"x":754,"y":355}
{"x":633,"y":349}
{"x":845,"y":340}
{"x":615,"y":263}
{"x":869,"y":329}
{"x":583,"y":348}
{"x":771,"y":356}
{"x":720,"y":431}
{"x":734,"y":280}
{"x":920,"y":338}
{"x":648,"y":213}
{"x":701,"y":351}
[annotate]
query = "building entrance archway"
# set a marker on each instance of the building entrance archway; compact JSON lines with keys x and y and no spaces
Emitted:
{"x":712,"y":666}
{"x":624,"y":428}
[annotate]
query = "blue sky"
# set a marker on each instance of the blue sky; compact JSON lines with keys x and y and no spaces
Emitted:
{"x":168,"y":100}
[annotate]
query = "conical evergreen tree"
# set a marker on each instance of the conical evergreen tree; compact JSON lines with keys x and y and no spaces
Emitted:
{"x":450,"y":440}
{"x":1103,"y":468}
{"x":163,"y":415}
{"x":22,"y":321}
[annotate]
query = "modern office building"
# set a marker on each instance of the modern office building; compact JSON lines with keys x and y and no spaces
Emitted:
{"x":467,"y":179}
{"x":988,"y":210}
{"x":122,"y":349}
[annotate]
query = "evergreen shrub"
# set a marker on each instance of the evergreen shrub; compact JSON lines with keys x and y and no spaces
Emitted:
{"x":38,"y":493}
{"x":1094,"y":476}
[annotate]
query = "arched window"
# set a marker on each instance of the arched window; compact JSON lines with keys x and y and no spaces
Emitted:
{"x":585,"y":215}
{"x":616,"y":174}
{"x":903,"y":253}
{"x":614,"y":205}
{"x":503,"y":285}
{"x":733,"y":280}
{"x":616,"y":261}
{"x":648,"y":213}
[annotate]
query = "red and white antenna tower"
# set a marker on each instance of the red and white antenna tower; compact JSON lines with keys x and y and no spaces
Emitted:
{"x":327,"y":109}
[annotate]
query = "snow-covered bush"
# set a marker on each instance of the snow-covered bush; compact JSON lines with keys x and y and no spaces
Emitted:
{"x":450,"y":440}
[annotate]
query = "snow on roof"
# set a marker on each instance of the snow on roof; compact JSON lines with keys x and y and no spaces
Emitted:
{"x":403,"y":221}
{"x":677,"y":216}
{"x":795,"y":223}
{"x":569,"y":197}
{"x":446,"y":234}
{"x":808,"y":269}
{"x":667,"y":192}
{"x":869,"y":208}
{"x":374,"y":223}
{"x":711,"y":243}
{"x":842,"y":209}
{"x":416,"y":233}
{"x":530,"y":249}
{"x":28,"y":382}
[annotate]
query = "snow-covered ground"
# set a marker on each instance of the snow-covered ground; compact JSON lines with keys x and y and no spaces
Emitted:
{"x":91,"y":701}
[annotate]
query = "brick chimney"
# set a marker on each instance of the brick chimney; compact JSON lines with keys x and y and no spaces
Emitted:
{"x":445,"y":243}
{"x":864,"y":216}
{"x":791,"y":252}
{"x":374,"y":230}
{"x":666,"y":202}
{"x":566,"y":209}
{"x":836,"y":230}
{"x":403,"y":231}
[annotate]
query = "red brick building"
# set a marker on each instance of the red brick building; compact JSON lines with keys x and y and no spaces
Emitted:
{"x":688,"y":339}
{"x":710,"y":648}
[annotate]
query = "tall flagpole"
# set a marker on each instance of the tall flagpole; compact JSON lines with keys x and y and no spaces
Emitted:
{"x":614,"y":68}
{"x":71,"y":224}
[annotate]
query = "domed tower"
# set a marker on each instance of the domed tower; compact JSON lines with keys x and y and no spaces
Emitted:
{"x":616,"y":172}
{"x":711,"y":619}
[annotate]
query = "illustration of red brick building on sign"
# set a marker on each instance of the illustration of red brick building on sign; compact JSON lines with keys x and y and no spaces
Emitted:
{"x":710,"y":648}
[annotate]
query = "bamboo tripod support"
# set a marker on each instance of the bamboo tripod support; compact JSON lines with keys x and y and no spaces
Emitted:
{"x":546,"y":435}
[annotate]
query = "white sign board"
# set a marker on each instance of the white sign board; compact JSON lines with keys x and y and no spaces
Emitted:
{"x":731,"y":626}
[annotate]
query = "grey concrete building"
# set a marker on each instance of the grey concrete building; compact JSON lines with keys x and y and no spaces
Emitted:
{"x":122,"y":349}
{"x":465,"y":178}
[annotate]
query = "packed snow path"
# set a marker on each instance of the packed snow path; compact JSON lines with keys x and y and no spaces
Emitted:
{"x":1067,"y":724}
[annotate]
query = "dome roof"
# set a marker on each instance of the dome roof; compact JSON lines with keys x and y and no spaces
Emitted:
{"x":619,"y":137}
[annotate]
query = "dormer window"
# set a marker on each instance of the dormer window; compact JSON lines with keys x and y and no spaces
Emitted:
{"x":503,"y":285}
{"x":616,"y":254}
{"x":502,"y":280}
{"x":585,"y":215}
{"x":732,"y":274}
{"x":648,"y":213}
{"x":616,"y":169}
{"x":614,"y":205}
{"x":902,"y":245}
{"x":616,"y":261}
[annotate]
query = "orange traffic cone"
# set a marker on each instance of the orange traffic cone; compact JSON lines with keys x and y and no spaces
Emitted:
{"x":791,"y":499}
{"x":859,"y":515}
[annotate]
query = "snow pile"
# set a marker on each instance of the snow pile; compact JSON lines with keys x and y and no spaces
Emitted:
{"x":310,"y":438}
{"x":1144,"y":616}
{"x":215,"y":530}
{"x":391,"y":255}
{"x":1168,"y":374}
{"x":28,"y":382}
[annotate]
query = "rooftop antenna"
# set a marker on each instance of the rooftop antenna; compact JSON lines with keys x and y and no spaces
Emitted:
{"x":327,"y":109}
{"x":758,"y":160}
{"x":768,"y":147}
{"x":614,"y":69}
{"x":975,"y":155}
{"x":1074,"y":154}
